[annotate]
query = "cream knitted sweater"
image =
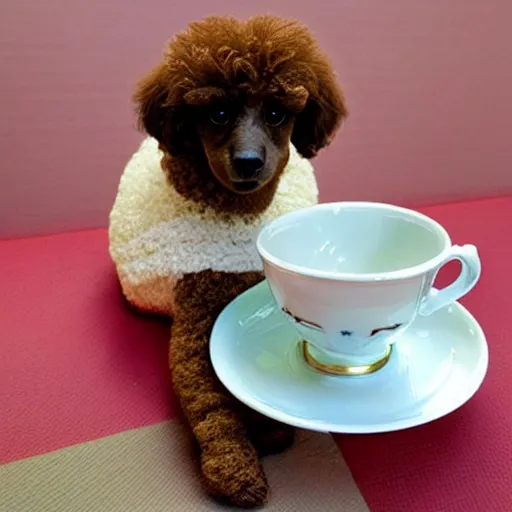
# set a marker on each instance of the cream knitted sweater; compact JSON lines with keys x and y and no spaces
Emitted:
{"x":157,"y":235}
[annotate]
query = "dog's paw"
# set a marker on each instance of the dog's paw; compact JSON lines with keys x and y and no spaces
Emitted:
{"x":272,"y":437}
{"x":235,"y":476}
{"x":267,"y":435}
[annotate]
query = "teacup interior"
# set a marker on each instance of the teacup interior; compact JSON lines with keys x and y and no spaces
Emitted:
{"x":357,"y":240}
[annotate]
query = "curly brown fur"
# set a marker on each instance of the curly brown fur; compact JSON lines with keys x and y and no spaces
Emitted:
{"x":226,"y":89}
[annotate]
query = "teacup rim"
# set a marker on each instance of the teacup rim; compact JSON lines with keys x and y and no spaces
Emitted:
{"x":400,"y":274}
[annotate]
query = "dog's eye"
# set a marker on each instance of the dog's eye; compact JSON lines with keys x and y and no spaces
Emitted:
{"x":219,"y":116}
{"x":275,"y":115}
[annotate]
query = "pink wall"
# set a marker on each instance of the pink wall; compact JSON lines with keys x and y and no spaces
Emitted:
{"x":429,"y":85}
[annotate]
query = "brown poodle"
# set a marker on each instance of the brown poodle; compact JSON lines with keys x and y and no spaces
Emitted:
{"x":224,"y":105}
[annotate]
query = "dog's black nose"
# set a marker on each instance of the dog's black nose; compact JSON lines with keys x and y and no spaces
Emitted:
{"x":248,"y":165}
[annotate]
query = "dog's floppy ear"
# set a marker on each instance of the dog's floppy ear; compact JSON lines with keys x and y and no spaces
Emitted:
{"x":160,"y":115}
{"x":325,"y":109}
{"x":150,"y":99}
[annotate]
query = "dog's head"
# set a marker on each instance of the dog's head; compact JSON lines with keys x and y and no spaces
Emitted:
{"x":235,"y":94}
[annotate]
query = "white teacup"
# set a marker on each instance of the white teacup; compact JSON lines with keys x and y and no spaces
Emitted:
{"x":350,"y":276}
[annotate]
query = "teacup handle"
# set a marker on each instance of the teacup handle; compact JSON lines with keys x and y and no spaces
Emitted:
{"x":468,"y":277}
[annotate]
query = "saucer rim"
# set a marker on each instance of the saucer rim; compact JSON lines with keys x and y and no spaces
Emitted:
{"x":340,"y":428}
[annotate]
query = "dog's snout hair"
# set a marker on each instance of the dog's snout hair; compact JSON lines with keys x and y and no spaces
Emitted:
{"x":250,"y":142}
{"x":249,"y":130}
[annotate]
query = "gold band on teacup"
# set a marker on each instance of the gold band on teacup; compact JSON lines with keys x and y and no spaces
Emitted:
{"x":337,"y":369}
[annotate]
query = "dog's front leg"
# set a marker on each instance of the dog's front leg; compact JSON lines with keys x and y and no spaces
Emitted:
{"x":229,"y":462}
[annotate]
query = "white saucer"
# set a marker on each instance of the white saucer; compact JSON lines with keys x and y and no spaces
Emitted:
{"x":436,"y":366}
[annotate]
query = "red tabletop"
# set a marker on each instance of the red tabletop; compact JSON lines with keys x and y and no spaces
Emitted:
{"x":76,"y":365}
